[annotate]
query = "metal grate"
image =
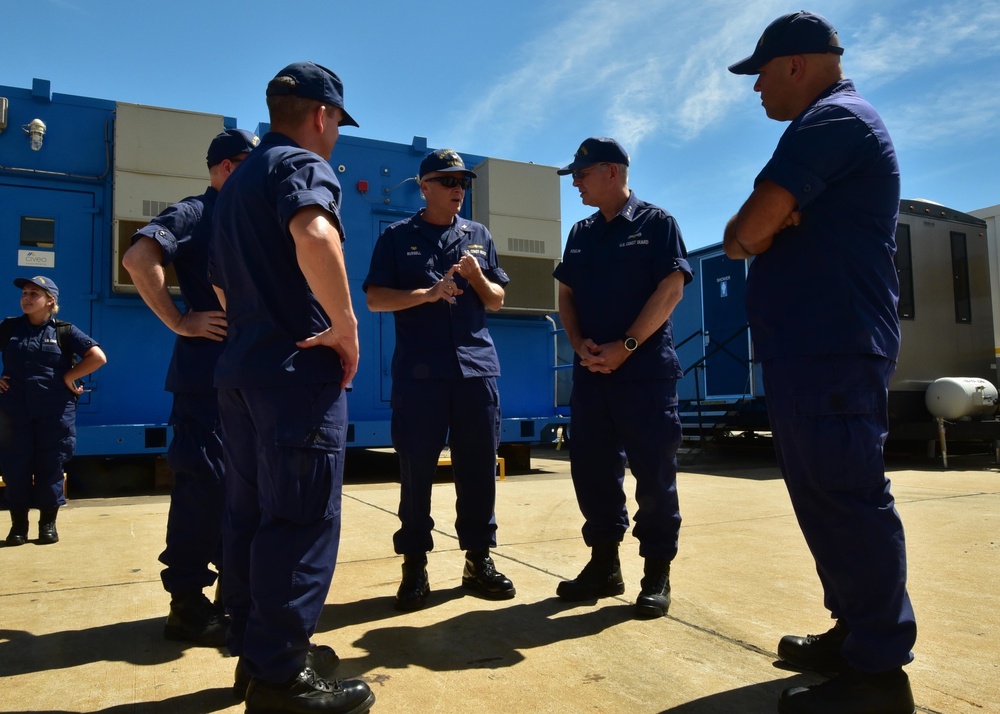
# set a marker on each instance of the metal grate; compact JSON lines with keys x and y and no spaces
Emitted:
{"x":526,"y":245}
{"x":532,"y":286}
{"x":153,"y":208}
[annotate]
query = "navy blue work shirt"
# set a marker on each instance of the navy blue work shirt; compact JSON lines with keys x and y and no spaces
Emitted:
{"x":183,"y":232}
{"x":269,"y":305}
{"x":34,"y":362}
{"x":437,"y":340}
{"x":613,"y":267}
{"x":829,"y":285}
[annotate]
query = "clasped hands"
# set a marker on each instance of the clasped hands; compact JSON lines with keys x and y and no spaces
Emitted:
{"x":604,"y":358}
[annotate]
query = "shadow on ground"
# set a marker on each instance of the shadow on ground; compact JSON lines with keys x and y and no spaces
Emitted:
{"x":752,"y":699}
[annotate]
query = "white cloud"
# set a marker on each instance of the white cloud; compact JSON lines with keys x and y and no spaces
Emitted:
{"x":913,"y":41}
{"x":642,"y":67}
{"x":961,"y":115}
{"x":656,"y":70}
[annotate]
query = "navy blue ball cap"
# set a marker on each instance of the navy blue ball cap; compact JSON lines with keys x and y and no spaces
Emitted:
{"x":444,"y":161}
{"x":797,"y":33}
{"x":596,"y":150}
{"x":230,"y":143}
{"x":39,"y":281}
{"x":311,"y":81}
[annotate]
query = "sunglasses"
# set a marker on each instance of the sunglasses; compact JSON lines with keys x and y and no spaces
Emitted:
{"x":452,"y":181}
{"x":581,"y":173}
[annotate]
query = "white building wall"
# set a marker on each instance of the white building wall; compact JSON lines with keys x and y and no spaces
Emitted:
{"x":991,"y":215}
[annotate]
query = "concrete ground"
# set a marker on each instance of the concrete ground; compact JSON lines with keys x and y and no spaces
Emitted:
{"x":81,"y":621}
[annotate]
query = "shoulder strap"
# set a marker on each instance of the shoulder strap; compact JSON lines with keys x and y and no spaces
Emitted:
{"x":6,"y":330}
{"x":62,"y":335}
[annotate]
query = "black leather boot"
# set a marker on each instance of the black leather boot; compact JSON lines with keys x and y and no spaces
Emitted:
{"x":601,"y":577}
{"x":47,"y":526}
{"x":481,"y":575}
{"x":321,"y":659}
{"x":308,"y":692}
{"x":654,"y":595}
{"x":415,"y":587}
{"x":819,"y":653}
{"x":852,"y":691}
{"x":194,"y":618}
{"x":18,"y":527}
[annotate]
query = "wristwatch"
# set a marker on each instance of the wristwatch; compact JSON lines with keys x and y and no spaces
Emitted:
{"x":631,"y":344}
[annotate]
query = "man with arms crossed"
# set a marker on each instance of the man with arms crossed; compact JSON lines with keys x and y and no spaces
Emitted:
{"x":821,"y":300}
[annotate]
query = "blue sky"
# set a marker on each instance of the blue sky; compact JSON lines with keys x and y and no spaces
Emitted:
{"x":528,"y":81}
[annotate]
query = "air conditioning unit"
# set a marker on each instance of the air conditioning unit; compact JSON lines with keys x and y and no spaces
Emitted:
{"x":159,"y":159}
{"x":519,"y":204}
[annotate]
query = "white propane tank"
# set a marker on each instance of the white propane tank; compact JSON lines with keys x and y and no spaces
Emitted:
{"x":957,"y":397}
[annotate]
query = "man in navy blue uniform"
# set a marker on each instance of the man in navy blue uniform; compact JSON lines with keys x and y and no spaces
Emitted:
{"x":179,"y":236}
{"x":438,"y":274}
{"x":623,"y":272}
{"x":277,"y":262}
{"x":821,"y":300}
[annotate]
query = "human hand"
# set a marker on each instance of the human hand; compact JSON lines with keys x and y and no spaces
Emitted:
{"x":210,"y":324}
{"x":346,"y":346}
{"x":604,"y":358}
{"x":4,"y":383}
{"x":468,"y":267}
{"x":72,"y":385}
{"x":592,"y":356}
{"x":793,"y":219}
{"x":445,"y":288}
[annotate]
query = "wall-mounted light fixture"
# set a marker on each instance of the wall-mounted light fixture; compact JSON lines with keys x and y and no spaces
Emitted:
{"x":36,"y":132}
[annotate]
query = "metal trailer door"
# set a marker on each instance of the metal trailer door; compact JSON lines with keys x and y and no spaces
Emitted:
{"x":728,"y":369}
{"x":49,"y":232}
{"x":387,"y":340}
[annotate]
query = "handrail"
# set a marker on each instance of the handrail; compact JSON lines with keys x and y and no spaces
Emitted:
{"x":720,"y":346}
{"x":688,"y":339}
{"x":701,"y":364}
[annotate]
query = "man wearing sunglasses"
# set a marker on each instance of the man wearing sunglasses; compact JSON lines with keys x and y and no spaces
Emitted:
{"x":438,"y":274}
{"x":622,"y":273}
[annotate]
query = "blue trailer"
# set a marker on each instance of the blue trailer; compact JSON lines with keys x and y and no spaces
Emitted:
{"x":946,"y":322}
{"x":78,"y":176}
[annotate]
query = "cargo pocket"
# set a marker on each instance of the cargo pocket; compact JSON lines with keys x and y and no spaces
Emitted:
{"x":839,"y":433}
{"x":307,"y":463}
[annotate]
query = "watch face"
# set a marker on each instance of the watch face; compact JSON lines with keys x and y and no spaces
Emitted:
{"x":631,"y":343}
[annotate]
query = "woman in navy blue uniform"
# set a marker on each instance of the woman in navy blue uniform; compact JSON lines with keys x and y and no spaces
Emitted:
{"x":38,"y":392}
